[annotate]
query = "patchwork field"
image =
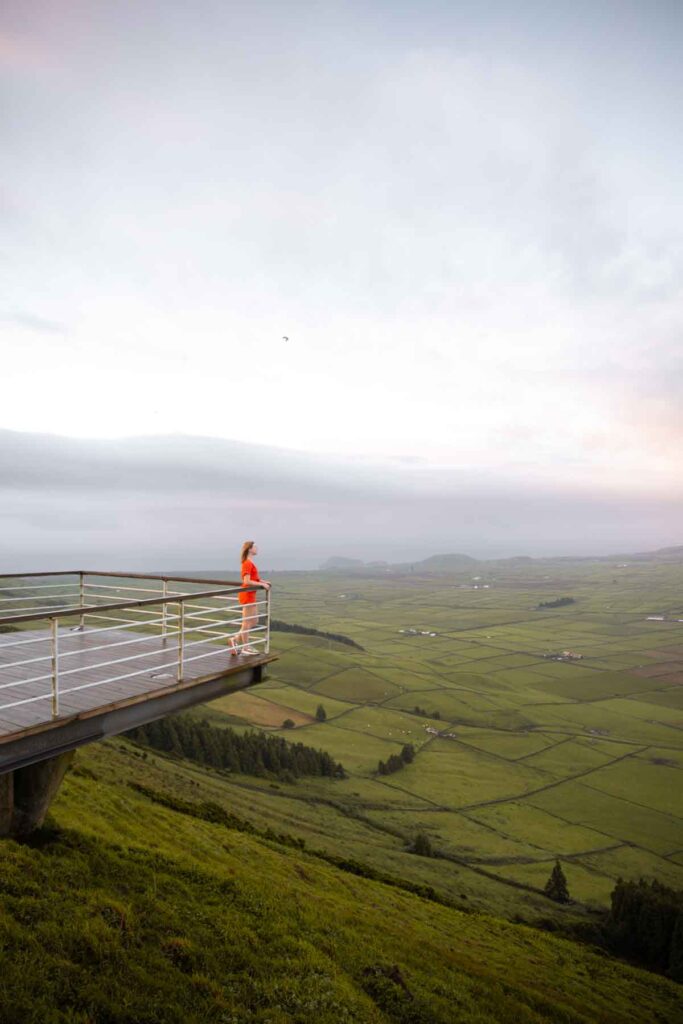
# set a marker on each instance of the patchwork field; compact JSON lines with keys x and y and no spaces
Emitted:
{"x":523,"y":754}
{"x":247,"y":707}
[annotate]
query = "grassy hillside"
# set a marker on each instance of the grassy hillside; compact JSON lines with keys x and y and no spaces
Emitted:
{"x":130,"y":912}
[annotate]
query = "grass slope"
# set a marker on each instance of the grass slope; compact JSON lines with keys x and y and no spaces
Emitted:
{"x":129,"y":912}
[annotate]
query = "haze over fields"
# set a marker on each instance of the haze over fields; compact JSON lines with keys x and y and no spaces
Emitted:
{"x":169,"y":502}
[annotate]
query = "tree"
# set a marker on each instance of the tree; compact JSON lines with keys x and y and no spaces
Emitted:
{"x":676,"y":950}
{"x":408,"y":753}
{"x":556,"y":887}
{"x":321,"y":714}
{"x":288,"y":724}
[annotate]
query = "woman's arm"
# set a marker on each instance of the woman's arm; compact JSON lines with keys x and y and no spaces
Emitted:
{"x":246,"y":580}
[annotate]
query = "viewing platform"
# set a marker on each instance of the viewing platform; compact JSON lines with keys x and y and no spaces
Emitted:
{"x":85,"y":655}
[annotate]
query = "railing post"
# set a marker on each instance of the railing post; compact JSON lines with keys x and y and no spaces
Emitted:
{"x":164,"y":594}
{"x":268,"y":621}
{"x":181,"y":638}
{"x":81,"y":598}
{"x":55,"y":667}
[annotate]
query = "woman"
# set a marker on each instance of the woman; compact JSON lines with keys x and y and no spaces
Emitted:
{"x":247,"y":599}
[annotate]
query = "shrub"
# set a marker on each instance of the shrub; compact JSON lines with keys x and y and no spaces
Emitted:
{"x":422,"y":845}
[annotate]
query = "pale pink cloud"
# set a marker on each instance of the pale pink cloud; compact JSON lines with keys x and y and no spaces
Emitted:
{"x":18,"y":53}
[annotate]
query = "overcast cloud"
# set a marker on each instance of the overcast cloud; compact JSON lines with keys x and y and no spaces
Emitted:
{"x":188,"y":503}
{"x":466,"y":218}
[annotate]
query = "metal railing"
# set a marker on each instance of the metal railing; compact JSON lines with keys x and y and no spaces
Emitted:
{"x":172,"y":629}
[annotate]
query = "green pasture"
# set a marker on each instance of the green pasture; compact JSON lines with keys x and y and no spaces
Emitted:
{"x":356,"y":684}
{"x":451,"y":775}
{"x":656,"y":786}
{"x":521,"y":681}
{"x":525,"y":725}
{"x":654,"y":755}
{"x":586,"y":884}
{"x":470,"y":682}
{"x":603,"y":721}
{"x":388,"y":723}
{"x":359,"y":752}
{"x":451,"y":704}
{"x":631,"y":862}
{"x":519,"y":820}
{"x":601,"y":686}
{"x":458,"y":834}
{"x":510,"y":746}
{"x":414,"y":678}
{"x":493,"y":685}
{"x":642,"y":709}
{"x":304,"y":669}
{"x":302,"y":700}
{"x":555,"y":673}
{"x":579,"y":803}
{"x":568,"y":756}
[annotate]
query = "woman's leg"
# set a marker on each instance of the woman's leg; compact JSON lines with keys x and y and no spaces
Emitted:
{"x":238,"y":639}
{"x":249,"y":622}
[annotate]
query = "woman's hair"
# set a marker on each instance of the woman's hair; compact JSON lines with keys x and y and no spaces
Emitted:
{"x":246,"y":548}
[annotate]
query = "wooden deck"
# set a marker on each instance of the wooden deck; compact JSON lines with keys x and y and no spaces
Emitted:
{"x":93,"y":691}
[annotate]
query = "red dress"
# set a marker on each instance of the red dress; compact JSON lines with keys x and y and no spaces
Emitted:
{"x":249,"y":569}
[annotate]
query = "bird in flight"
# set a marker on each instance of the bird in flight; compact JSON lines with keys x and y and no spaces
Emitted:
{"x":285,"y":338}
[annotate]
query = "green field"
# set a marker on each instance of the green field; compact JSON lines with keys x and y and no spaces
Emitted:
{"x":581,"y":759}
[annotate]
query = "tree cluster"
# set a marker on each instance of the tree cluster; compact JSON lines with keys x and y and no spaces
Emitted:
{"x":249,"y":753}
{"x":278,"y":626}
{"x":417,"y":710}
{"x":646,"y":923}
{"x":397,"y":761}
{"x":560,"y":602}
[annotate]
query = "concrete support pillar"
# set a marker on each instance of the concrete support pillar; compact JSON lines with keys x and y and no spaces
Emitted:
{"x":6,"y":803}
{"x":26,"y":794}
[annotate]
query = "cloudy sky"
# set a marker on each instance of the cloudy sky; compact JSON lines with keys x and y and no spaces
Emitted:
{"x":466,"y":217}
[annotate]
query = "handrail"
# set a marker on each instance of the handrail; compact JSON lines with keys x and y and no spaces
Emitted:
{"x":169,"y":579}
{"x":22,"y":575}
{"x":171,"y":599}
{"x":120,"y":575}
